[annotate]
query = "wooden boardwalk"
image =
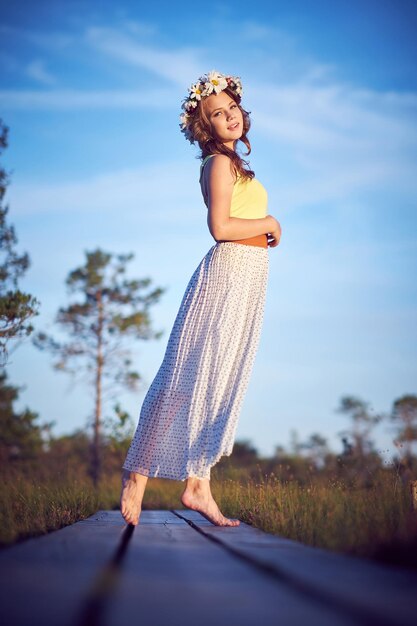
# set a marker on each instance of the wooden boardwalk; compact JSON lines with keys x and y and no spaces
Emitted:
{"x":177,"y":569}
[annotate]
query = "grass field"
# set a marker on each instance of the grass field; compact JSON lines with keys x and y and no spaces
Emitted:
{"x":374,"y":522}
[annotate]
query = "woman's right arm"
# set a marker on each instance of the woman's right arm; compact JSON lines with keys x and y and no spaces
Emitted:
{"x":219,"y":181}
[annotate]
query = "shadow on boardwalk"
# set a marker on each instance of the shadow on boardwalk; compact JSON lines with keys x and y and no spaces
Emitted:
{"x":177,"y":568}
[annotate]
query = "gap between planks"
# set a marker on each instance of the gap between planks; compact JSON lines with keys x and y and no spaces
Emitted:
{"x":362,"y":615}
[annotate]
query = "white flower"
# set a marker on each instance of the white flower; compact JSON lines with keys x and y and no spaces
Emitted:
{"x":195,"y":91}
{"x":188,"y":105}
{"x":217,"y":80}
{"x":208,"y":89}
{"x":184,"y":119}
{"x":235,"y":84}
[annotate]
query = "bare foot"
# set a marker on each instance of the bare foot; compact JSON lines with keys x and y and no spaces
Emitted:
{"x":197,"y":496}
{"x":133,"y":488}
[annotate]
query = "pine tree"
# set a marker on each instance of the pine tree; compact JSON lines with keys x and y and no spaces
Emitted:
{"x":21,"y":437}
{"x":112,"y":310}
{"x":16,"y":307}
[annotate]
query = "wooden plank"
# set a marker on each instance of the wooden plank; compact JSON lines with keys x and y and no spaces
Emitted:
{"x":44,"y":580}
{"x":100,"y":572}
{"x":360,"y":587}
{"x":174,"y":575}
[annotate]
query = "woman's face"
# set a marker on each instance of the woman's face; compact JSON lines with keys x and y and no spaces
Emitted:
{"x":225,"y":117}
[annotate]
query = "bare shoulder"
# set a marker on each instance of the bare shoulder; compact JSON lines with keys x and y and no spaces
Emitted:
{"x":219,"y":168}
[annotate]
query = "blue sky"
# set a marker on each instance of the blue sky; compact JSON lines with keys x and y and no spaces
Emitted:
{"x":92,"y":92}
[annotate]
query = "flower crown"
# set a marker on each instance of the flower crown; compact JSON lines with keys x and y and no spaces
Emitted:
{"x":213,"y":82}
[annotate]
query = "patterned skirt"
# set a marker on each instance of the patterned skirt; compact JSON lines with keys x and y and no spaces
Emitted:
{"x":189,"y":415}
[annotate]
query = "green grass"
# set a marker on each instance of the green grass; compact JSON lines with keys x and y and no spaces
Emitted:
{"x":29,"y":509}
{"x":374,"y":522}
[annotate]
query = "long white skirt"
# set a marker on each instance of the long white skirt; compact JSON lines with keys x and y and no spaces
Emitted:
{"x":189,"y":416}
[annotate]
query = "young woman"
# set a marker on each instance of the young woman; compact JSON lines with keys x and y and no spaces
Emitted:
{"x":189,"y":415}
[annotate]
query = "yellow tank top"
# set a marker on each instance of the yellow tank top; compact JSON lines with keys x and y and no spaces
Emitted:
{"x":249,"y":197}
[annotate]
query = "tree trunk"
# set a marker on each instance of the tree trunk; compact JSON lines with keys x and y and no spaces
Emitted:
{"x":97,"y":417}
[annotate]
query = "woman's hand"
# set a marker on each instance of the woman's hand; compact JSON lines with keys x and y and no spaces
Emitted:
{"x":275,"y":235}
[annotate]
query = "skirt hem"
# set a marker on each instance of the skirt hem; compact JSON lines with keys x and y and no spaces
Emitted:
{"x":156,"y":473}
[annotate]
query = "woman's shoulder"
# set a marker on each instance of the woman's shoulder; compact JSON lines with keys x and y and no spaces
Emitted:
{"x":216,"y":156}
{"x":218,"y":164}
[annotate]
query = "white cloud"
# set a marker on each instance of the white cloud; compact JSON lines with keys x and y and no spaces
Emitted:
{"x":173,"y":65}
{"x":65,"y":99}
{"x":132,"y":191}
{"x":37,"y":70}
{"x":322,"y":117}
{"x":341,"y":138}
